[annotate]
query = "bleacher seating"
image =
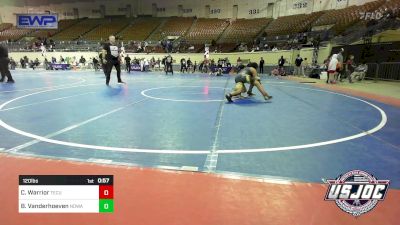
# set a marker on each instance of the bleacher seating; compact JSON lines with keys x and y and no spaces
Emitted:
{"x":174,"y":26}
{"x":13,"y":33}
{"x":78,"y":29}
{"x":5,"y":26}
{"x":140,"y":29}
{"x":108,"y":27}
{"x":227,"y":47}
{"x":228,"y":33}
{"x":291,"y":24}
{"x":243,"y":30}
{"x":341,"y":19}
{"x":206,"y":30}
{"x":392,"y":7}
{"x":62,"y":24}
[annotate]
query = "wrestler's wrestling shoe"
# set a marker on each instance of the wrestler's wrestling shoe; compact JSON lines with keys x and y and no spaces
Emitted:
{"x":267,"y":98}
{"x":228,"y":97}
{"x":250,"y":94}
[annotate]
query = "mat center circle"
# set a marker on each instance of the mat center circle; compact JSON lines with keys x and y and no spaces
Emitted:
{"x":186,"y":93}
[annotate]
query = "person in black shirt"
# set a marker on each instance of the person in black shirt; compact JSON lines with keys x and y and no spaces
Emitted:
{"x":112,"y":59}
{"x":95,"y":64}
{"x":103,"y":65}
{"x":261,"y":66}
{"x":128,"y":63}
{"x":22,"y":61}
{"x":82,"y":61}
{"x":281,"y":64}
{"x":189,"y":65}
{"x":183,"y":65}
{"x":4,"y":61}
{"x":168,"y":65}
{"x":297,"y":68}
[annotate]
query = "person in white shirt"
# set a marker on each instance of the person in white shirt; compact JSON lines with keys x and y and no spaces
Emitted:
{"x":304,"y":66}
{"x":142,"y":65}
{"x":332,"y":68}
{"x":43,"y":49}
{"x":146,"y":65}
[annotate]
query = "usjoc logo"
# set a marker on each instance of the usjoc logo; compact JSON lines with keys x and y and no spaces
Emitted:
{"x":356,"y":192}
{"x":37,"y":21}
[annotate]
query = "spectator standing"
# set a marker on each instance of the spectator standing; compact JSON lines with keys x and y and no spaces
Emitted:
{"x":158,"y":64}
{"x":4,"y":61}
{"x":22,"y":62}
{"x":46,"y":64}
{"x":304,"y":66}
{"x":325,"y":66}
{"x":194,"y":66}
{"x":349,"y":68}
{"x":82,"y":61}
{"x":298,"y":67}
{"x":189,"y":65}
{"x":183,"y":65}
{"x":128,"y":63}
{"x":238,"y":62}
{"x":281,"y":64}
{"x":262,"y":65}
{"x":168,"y":63}
{"x":332,"y":69}
{"x":146,"y":65}
{"x":340,"y":69}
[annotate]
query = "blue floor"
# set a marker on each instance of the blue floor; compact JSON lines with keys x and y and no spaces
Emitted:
{"x":177,"y":121}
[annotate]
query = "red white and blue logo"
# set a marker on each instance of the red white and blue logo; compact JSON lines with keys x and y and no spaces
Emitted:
{"x":356,"y":192}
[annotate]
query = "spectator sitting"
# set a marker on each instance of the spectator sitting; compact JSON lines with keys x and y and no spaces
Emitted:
{"x":32,"y":65}
{"x":82,"y":61}
{"x":275,"y":72}
{"x":360,"y":72}
{"x":13,"y":64}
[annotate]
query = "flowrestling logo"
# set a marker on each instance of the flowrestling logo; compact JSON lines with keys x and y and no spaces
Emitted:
{"x":37,"y":21}
{"x":356,"y":192}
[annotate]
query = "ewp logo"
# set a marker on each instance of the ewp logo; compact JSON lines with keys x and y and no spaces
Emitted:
{"x":47,"y":21}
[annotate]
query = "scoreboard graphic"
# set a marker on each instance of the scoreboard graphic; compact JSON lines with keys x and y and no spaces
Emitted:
{"x":66,"y":194}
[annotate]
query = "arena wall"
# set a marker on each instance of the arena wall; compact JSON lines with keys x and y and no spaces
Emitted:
{"x":271,"y":58}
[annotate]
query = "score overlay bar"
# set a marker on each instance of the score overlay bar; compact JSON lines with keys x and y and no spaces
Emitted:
{"x":66,"y":194}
